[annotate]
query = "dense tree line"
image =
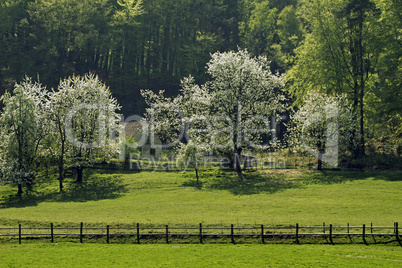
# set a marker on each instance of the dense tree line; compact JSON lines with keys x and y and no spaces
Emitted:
{"x":131,"y":44}
{"x":342,"y":46}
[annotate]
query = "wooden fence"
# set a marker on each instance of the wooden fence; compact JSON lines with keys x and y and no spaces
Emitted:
{"x":261,"y":233}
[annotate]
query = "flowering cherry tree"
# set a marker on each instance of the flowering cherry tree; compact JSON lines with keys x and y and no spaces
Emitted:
{"x":246,"y":94}
{"x":232,"y":110}
{"x":86,"y":121}
{"x":324,"y":125}
{"x":163,"y":118}
{"x":23,"y":127}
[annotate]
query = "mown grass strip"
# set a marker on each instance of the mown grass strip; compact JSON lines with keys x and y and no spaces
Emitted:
{"x":254,"y":255}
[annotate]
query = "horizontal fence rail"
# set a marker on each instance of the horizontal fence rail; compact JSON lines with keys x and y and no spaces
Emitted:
{"x":262,"y":232}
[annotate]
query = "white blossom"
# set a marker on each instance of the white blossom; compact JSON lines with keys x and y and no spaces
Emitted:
{"x":324,"y":125}
{"x":23,"y":127}
{"x":242,"y":94}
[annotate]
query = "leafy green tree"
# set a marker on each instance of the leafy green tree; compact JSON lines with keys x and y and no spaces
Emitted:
{"x":230,"y":25}
{"x":126,"y":36}
{"x":384,"y":112}
{"x":131,"y":44}
{"x":70,"y":36}
{"x":16,"y":58}
{"x":340,"y":53}
{"x":258,"y":29}
{"x":282,"y":4}
{"x":290,"y":33}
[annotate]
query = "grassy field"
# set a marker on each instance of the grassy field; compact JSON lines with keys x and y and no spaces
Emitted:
{"x":270,"y":197}
{"x":98,"y":255}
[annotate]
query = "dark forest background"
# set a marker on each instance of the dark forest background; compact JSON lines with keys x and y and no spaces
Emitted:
{"x":134,"y":44}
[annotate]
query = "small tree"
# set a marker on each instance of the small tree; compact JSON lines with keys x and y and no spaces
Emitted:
{"x":245,"y":96}
{"x":323,"y":125}
{"x":232,"y":109}
{"x":23,"y":128}
{"x":195,"y":103}
{"x":188,"y":154}
{"x":60,"y":103}
{"x":182,"y":121}
{"x":163,"y":116}
{"x":90,"y":121}
{"x":128,"y":147}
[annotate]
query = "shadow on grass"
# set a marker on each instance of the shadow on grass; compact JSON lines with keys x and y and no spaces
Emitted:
{"x":341,"y":176}
{"x":246,"y":184}
{"x":394,"y":176}
{"x":92,"y":189}
{"x":195,"y":184}
{"x":279,"y":180}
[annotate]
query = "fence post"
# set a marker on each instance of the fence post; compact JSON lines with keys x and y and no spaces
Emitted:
{"x":330,"y":234}
{"x":323,"y":227}
{"x":262,"y":234}
{"x":364,"y":234}
{"x":19,"y":233}
{"x":201,"y":233}
{"x":82,"y":225}
{"x":138,"y":233}
{"x":350,"y":238}
{"x":107,"y":234}
{"x":51,"y":232}
{"x":397,"y":234}
{"x":297,"y":233}
{"x":232,"y":234}
{"x":167,"y":234}
{"x":371,"y":227}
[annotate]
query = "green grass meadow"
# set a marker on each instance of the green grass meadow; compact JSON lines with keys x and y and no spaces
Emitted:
{"x":253,"y":255}
{"x":269,"y":197}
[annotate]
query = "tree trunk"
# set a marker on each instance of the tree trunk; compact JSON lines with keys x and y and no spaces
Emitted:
{"x":196,"y":173}
{"x":362,"y":145}
{"x":196,"y":167}
{"x":362,"y":148}
{"x":61,"y":184}
{"x":237,"y":161}
{"x":356,"y":150}
{"x":19,"y":189}
{"x":126,"y":157}
{"x":79,"y":174}
{"x":319,"y":164}
{"x":61,"y":173}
